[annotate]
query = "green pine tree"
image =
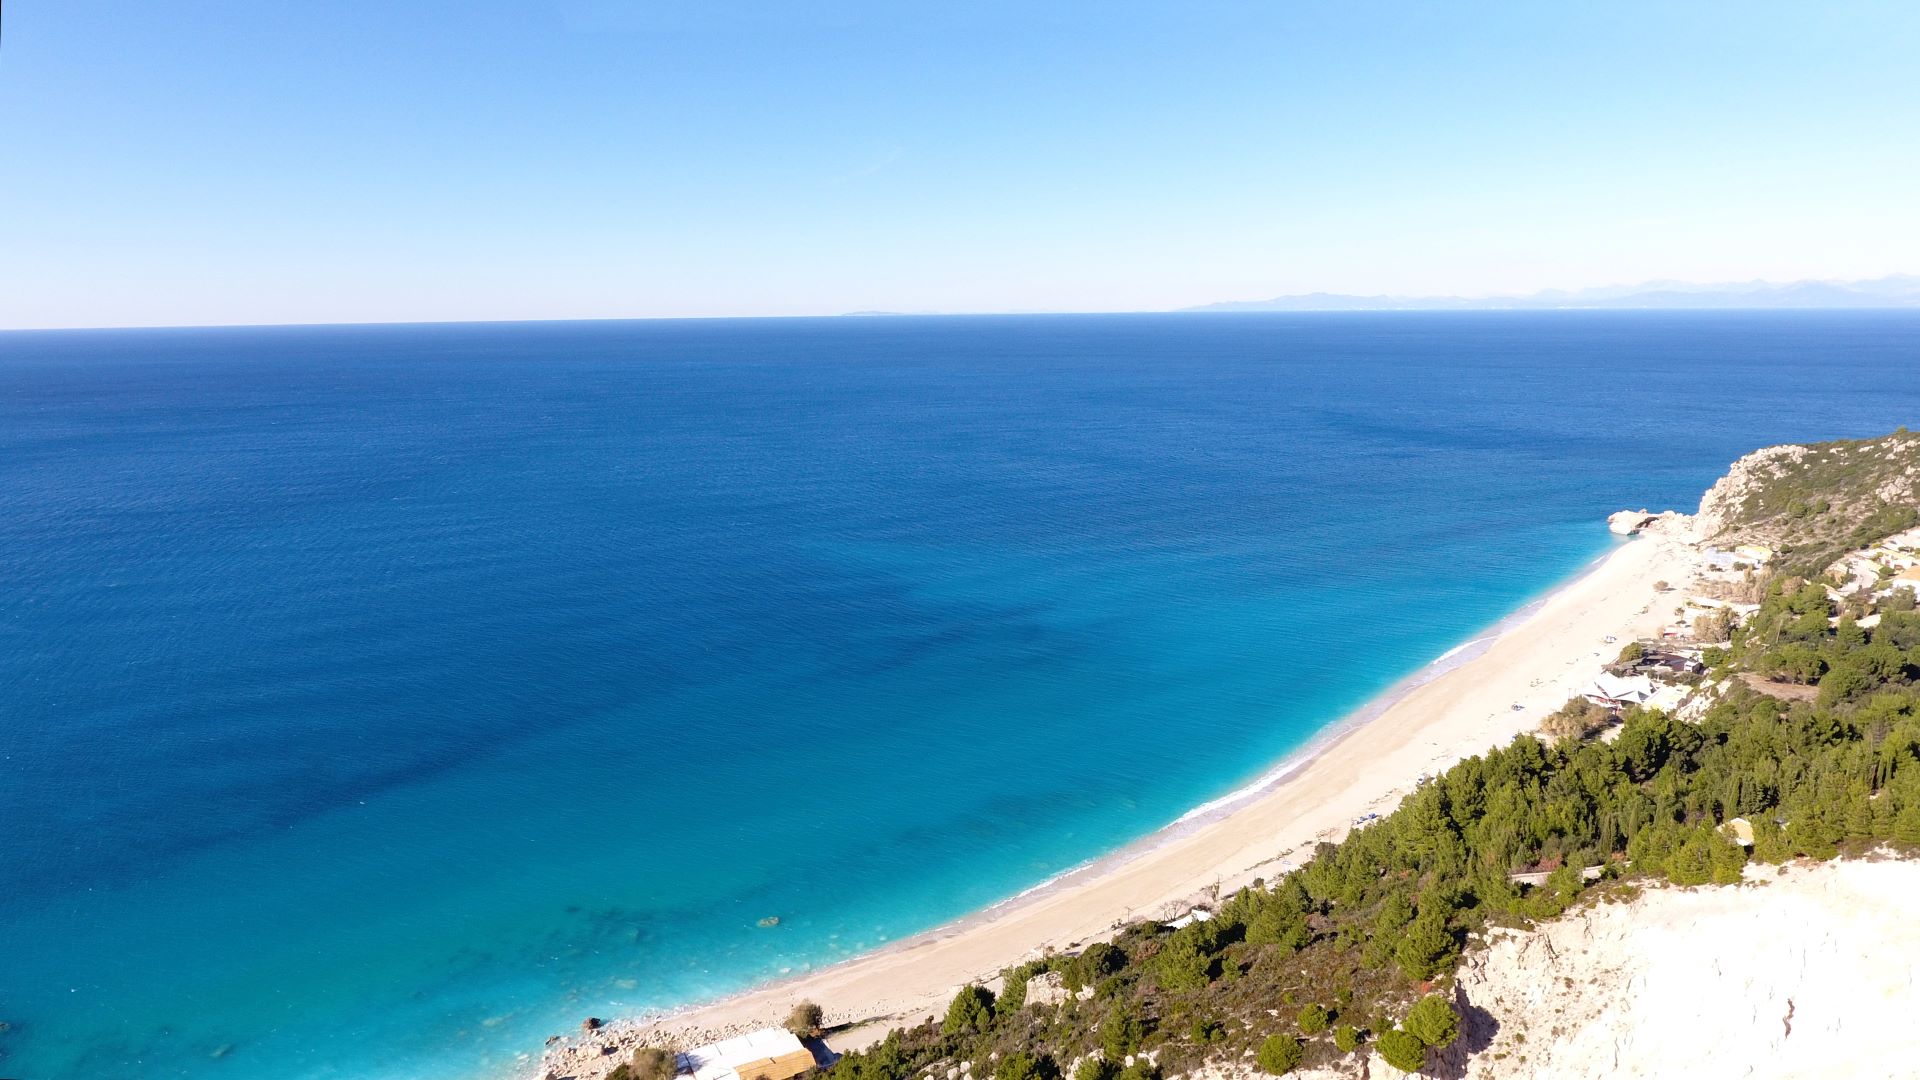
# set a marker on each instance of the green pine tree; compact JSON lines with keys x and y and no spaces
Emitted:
{"x":1428,"y":947}
{"x":1906,"y":824}
{"x":970,"y":1012}
{"x":1433,"y":1021}
{"x":1280,"y":1054}
{"x":1401,"y":1050}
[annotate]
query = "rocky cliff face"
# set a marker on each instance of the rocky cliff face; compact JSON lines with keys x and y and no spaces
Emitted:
{"x":1723,"y":507}
{"x":1816,"y":501}
{"x":1808,"y":972}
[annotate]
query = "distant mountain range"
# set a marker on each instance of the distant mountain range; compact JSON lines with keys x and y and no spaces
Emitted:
{"x":1894,"y":291}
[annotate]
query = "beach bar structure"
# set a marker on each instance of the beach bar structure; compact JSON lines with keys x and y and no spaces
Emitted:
{"x":767,"y":1054}
{"x":1615,"y":692}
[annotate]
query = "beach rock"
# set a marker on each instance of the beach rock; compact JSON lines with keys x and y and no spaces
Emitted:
{"x":591,"y":1023}
{"x":1628,"y":522}
{"x":1668,"y":523}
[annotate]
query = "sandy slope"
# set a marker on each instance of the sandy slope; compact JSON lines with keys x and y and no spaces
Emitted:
{"x":1538,"y":661}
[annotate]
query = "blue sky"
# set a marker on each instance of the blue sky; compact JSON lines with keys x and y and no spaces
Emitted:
{"x":220,"y":161}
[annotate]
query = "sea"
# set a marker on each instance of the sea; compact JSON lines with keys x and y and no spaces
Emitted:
{"x":376,"y":701}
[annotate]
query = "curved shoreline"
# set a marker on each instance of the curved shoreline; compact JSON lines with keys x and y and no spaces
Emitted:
{"x":1456,"y":705}
{"x":1223,"y":806}
{"x":1357,"y":718}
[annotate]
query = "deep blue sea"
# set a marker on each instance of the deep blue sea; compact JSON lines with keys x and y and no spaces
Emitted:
{"x":376,"y":701}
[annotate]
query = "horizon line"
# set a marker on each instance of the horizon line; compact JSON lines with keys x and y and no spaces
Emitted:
{"x":1206,"y":311}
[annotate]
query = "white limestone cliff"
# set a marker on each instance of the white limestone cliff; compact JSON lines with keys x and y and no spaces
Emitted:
{"x":1811,"y":971}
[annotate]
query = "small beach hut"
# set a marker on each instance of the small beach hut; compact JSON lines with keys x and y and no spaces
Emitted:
{"x":767,"y":1054}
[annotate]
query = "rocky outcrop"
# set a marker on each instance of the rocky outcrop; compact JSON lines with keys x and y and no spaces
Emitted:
{"x":1047,"y":988}
{"x":1666,"y":523}
{"x":1725,"y":503}
{"x":1818,"y":501}
{"x":1804,"y":972}
{"x":1628,"y":522}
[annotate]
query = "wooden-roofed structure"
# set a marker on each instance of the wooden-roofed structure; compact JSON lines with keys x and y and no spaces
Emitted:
{"x":767,"y":1054}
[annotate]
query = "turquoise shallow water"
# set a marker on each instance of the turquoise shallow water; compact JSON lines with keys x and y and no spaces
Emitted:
{"x":380,"y":700}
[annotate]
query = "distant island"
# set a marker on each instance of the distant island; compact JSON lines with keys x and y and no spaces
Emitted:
{"x":1662,"y":825}
{"x":1893,"y":291}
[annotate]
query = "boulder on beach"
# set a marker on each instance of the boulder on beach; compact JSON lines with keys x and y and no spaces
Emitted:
{"x":1628,"y":522}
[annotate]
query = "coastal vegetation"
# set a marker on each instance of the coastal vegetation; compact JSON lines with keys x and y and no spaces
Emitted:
{"x":1714,"y":625}
{"x":1355,"y":949}
{"x":647,"y":1063}
{"x":1280,"y":1054}
{"x":805,"y":1018}
{"x":1577,"y":719}
{"x":971,"y":1012}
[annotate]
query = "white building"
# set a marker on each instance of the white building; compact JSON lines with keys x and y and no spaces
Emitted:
{"x":1616,"y":692}
{"x":767,"y":1054}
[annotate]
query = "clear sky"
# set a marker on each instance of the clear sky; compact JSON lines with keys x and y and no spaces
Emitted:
{"x":219,"y":161}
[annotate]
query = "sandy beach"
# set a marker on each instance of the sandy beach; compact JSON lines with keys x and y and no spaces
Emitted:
{"x":1537,"y":660}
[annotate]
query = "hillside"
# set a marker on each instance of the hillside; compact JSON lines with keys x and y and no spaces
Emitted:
{"x":1815,"y":502}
